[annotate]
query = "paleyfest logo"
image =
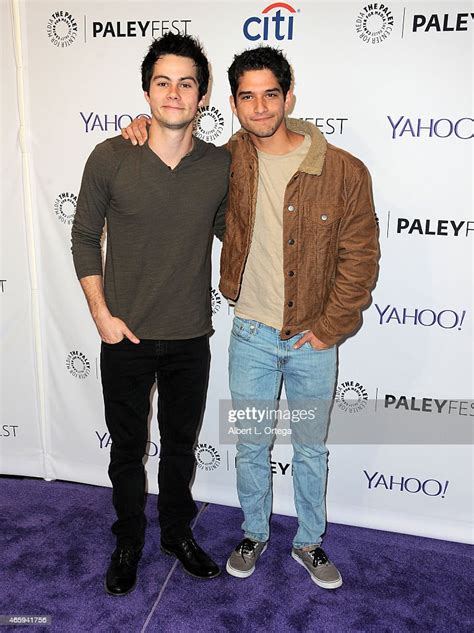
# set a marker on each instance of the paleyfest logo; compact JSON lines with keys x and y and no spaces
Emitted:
{"x":65,"y":207}
{"x":62,"y":29}
{"x":278,"y":25}
{"x":374,"y":23}
{"x":208,"y":124}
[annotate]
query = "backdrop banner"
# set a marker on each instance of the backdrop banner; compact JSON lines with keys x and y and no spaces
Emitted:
{"x":390,"y":83}
{"x":21,"y":432}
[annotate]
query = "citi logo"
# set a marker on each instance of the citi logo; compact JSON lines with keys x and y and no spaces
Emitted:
{"x":278,"y":26}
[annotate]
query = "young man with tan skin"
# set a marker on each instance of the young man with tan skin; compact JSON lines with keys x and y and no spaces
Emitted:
{"x":162,"y":203}
{"x":299,"y":260}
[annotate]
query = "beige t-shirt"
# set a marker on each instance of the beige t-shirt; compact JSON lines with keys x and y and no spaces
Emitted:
{"x":263,"y":287}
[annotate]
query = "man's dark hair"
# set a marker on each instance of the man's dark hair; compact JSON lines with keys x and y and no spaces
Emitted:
{"x":261,"y":58}
{"x":183,"y":46}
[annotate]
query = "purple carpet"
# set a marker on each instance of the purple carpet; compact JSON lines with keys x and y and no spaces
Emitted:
{"x":56,"y":543}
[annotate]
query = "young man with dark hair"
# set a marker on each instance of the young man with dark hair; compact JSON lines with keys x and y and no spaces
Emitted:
{"x":299,"y":263}
{"x":299,"y":260}
{"x":162,"y":203}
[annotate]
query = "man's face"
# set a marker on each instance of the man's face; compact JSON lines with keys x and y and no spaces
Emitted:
{"x":259,"y":103}
{"x":174,"y":93}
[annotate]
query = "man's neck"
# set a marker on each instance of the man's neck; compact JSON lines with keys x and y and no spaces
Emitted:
{"x":170,"y":145}
{"x":282,"y":142}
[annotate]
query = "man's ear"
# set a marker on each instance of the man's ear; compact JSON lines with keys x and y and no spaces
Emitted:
{"x":289,"y":99}
{"x":202,"y":100}
{"x":232,"y":104}
{"x":147,"y":96}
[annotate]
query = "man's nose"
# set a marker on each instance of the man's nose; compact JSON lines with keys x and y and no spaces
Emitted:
{"x":173,"y":92}
{"x":260,"y":104}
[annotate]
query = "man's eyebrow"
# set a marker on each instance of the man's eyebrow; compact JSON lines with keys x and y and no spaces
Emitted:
{"x":190,"y":78}
{"x":251,"y":92}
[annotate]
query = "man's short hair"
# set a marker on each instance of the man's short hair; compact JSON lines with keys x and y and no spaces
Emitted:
{"x":183,"y":46}
{"x":261,"y":58}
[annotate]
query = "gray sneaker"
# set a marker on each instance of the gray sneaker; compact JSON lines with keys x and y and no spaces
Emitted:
{"x":319,"y":567}
{"x":241,"y":563}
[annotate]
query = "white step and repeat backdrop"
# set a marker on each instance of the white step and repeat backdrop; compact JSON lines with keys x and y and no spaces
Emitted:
{"x":391,"y":83}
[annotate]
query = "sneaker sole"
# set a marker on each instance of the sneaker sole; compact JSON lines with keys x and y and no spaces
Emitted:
{"x":321,"y":583}
{"x":168,"y":553}
{"x":237,"y":573}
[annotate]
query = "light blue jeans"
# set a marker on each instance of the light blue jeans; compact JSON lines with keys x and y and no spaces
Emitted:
{"x":258,"y":362}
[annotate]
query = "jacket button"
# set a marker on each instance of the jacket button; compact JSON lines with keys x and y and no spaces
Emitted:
{"x":291,"y":207}
{"x":324,"y":217}
{"x":287,"y":332}
{"x":291,"y":273}
{"x":291,"y":242}
{"x":290,"y":304}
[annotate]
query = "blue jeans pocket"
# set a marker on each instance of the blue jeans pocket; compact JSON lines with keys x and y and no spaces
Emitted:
{"x":243,"y":329}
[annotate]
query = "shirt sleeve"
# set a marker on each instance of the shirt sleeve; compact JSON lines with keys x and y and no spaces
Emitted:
{"x":219,"y":220}
{"x":91,"y":211}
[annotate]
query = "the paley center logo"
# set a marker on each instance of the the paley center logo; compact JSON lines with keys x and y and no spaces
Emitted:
{"x":65,"y":207}
{"x":207,"y":457}
{"x":62,"y":29}
{"x":374,"y":23}
{"x":78,"y":365}
{"x":275,"y":22}
{"x":351,"y":396}
{"x":208,"y":124}
{"x":216,"y":301}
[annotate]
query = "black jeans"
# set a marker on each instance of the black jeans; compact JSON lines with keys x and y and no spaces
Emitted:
{"x":129,"y":371}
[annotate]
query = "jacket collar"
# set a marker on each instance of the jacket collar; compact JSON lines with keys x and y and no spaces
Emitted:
{"x":314,"y":161}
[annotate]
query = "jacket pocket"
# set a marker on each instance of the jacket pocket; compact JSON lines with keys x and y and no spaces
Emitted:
{"x":321,"y":216}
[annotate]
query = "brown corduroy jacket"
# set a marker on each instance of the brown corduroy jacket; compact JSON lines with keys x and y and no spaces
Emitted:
{"x":330,"y":236}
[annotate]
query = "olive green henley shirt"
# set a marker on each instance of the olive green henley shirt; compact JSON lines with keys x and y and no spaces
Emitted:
{"x":160,"y":226}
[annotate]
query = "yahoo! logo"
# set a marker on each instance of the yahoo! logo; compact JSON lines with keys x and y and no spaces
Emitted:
{"x":428,"y":487}
{"x":446,"y":319}
{"x":151,"y":449}
{"x":428,"y":128}
{"x":106,"y":122}
{"x":278,"y":26}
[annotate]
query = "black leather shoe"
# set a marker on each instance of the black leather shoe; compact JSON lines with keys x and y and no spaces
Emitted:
{"x":121,"y":575}
{"x":194,"y":560}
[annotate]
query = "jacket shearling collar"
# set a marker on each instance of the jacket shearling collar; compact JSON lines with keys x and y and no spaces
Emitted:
{"x":314,"y":161}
